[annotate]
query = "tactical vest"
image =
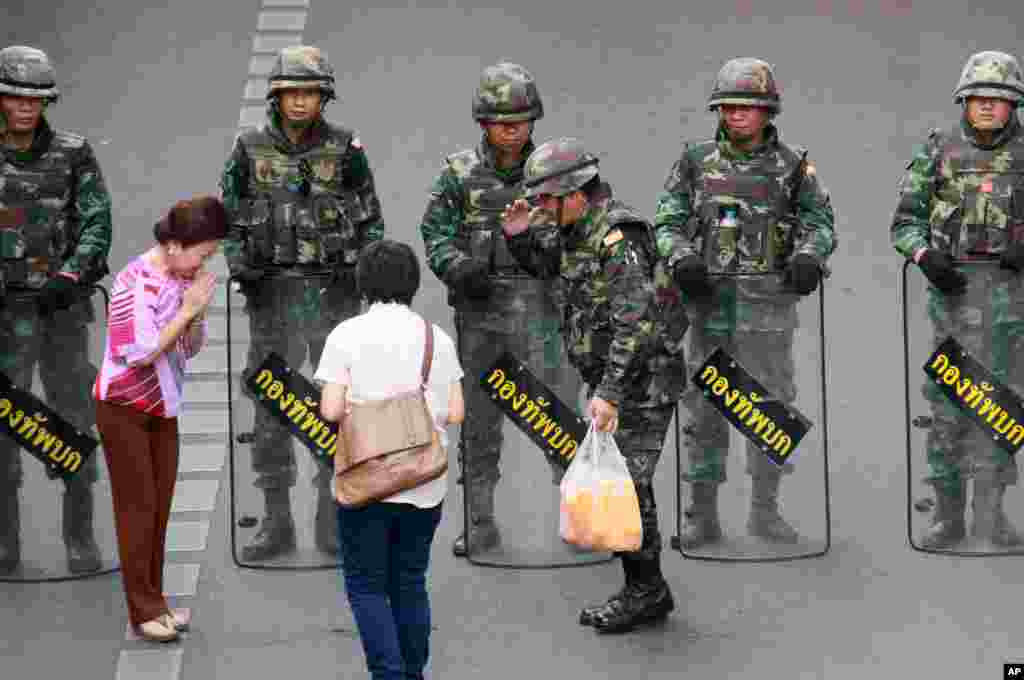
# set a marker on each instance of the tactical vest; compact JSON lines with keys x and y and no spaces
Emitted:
{"x":486,"y":194}
{"x":38,"y":228}
{"x":588,"y":327}
{"x":979,"y":203}
{"x":297,"y":210}
{"x":744,"y":208}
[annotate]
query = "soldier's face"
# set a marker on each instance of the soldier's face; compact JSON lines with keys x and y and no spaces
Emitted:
{"x":187,"y":261}
{"x":988,"y":113}
{"x":300,"y":106}
{"x":509,"y":137}
{"x":22,"y":113}
{"x":743,"y":122}
{"x":573,"y":206}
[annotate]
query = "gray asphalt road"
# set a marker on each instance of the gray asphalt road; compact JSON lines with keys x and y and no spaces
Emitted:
{"x":862,"y":82}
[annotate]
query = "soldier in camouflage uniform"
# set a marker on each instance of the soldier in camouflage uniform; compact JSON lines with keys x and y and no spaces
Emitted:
{"x":742,"y":202}
{"x":301,"y":202}
{"x":962,"y":198}
{"x":498,"y":306}
{"x":55,"y":232}
{"x":623,"y":327}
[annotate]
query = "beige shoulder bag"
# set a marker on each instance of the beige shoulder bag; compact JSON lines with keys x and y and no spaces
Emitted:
{"x":389,"y":445}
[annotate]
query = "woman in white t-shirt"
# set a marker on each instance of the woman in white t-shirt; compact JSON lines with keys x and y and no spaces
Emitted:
{"x":386,"y":545}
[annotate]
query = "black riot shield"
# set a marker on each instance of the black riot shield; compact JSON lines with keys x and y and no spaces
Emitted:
{"x":56,"y":508}
{"x":964,"y":377}
{"x":751,"y":429}
{"x":283,"y":512}
{"x":510,"y":481}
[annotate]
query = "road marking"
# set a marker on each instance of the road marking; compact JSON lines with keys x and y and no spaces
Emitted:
{"x":187,"y":536}
{"x":180,"y":579}
{"x":149,"y":664}
{"x":195,"y":495}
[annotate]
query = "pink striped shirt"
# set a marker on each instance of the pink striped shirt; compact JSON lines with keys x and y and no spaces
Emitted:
{"x":142,"y":302}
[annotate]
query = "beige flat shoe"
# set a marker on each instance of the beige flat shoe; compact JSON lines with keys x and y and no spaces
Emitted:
{"x":179,"y":619}
{"x":158,"y":631}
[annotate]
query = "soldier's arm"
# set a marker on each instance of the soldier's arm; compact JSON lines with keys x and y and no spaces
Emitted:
{"x":675,"y":232}
{"x":88,"y":262}
{"x":359,"y":178}
{"x":910,"y":231}
{"x":233,"y":181}
{"x":630,"y":296}
{"x":815,"y":233}
{"x":440,"y":224}
{"x":538,"y":250}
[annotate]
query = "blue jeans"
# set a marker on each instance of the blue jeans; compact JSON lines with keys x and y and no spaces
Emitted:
{"x":386,"y":552}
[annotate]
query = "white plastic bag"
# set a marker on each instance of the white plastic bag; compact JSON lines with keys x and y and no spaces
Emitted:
{"x":599,"y":507}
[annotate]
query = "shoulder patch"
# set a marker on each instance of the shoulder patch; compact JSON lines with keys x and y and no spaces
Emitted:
{"x":613,"y":237}
{"x":67,"y":139}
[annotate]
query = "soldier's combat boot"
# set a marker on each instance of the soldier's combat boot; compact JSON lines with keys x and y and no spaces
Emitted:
{"x":82,"y":551}
{"x":989,"y":521}
{"x":765,"y":521}
{"x":588,"y":614}
{"x":10,"y":530}
{"x":483,"y":531}
{"x":947,"y":527}
{"x":701,"y":525}
{"x":327,"y":540}
{"x":277,"y":530}
{"x":646,"y":599}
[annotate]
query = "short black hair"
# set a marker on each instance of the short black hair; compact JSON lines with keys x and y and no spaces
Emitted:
{"x":193,"y":221}
{"x":388,"y":271}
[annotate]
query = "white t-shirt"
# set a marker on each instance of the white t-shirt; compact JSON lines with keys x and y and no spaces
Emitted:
{"x":379,"y":355}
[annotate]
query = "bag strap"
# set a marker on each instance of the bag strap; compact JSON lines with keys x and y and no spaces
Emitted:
{"x":428,"y":353}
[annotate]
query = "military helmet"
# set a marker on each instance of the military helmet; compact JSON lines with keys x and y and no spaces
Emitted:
{"x":748,"y":82}
{"x":990,"y":74}
{"x":27,"y":72}
{"x":301,"y":66}
{"x":558,"y":167}
{"x":507,"y":94}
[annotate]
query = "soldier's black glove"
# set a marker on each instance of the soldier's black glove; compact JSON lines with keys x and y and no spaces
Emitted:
{"x":803,"y":274}
{"x":938,"y":267}
{"x":691,"y":275}
{"x":58,"y":293}
{"x":472,"y":280}
{"x":249,"y":281}
{"x":1013,"y":257}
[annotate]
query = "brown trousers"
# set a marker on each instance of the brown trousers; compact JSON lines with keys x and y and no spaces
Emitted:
{"x":142,"y":459}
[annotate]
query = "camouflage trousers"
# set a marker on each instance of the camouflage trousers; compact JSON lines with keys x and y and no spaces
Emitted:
{"x":528,"y":328}
{"x":59,"y":346}
{"x":291,"y":317}
{"x":768,"y":356}
{"x":640,"y":438}
{"x":957,"y":449}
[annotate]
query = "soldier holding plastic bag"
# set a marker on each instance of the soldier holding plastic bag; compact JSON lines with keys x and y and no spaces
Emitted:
{"x":623,"y":327}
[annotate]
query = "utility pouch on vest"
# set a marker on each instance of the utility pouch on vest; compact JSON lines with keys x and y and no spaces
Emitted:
{"x":14,"y":245}
{"x":285,"y":247}
{"x":327,"y":215}
{"x":481,"y":247}
{"x":254,"y":218}
{"x":307,"y":237}
{"x":493,"y":203}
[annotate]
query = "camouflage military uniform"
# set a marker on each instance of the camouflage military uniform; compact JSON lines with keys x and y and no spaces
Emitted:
{"x":462,"y":223}
{"x":299,"y":214}
{"x":964,"y":198}
{"x":741,"y":212}
{"x":623,"y":327}
{"x":55,"y":223}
